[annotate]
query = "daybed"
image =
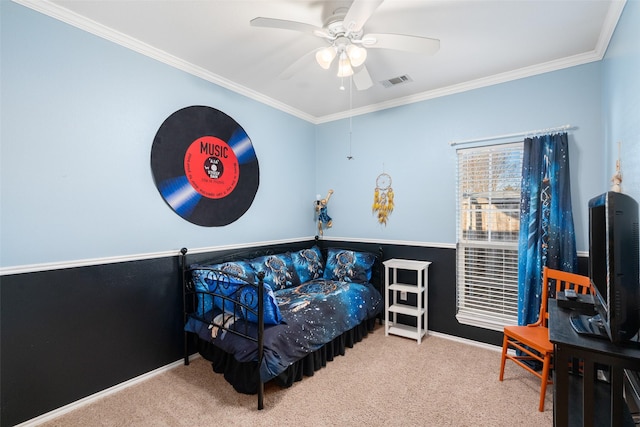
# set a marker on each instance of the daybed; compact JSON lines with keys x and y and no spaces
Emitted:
{"x":279,"y":317}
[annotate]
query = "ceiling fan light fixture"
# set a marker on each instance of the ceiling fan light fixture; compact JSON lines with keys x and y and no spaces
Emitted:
{"x":344,"y":33}
{"x":357,"y":55}
{"x":344,"y":66}
{"x":325,"y":56}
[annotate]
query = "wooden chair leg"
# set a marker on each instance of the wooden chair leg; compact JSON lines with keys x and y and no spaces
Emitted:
{"x":545,"y":380}
{"x":504,"y":356}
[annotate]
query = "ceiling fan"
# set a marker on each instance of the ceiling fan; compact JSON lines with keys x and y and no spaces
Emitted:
{"x":348,"y":42}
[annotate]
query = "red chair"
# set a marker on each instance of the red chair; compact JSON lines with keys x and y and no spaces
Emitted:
{"x":533,"y":340}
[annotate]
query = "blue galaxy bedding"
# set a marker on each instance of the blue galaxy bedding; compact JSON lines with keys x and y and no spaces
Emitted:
{"x":314,"y":313}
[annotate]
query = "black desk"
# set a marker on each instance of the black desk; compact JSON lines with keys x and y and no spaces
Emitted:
{"x":568,"y":389}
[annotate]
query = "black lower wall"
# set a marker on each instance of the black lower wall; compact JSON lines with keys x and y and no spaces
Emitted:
{"x":67,"y":334}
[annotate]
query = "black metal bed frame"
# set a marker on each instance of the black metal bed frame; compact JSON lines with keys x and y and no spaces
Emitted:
{"x":241,"y":323}
{"x":190,"y":300}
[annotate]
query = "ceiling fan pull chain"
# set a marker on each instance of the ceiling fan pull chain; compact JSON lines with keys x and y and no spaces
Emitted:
{"x":350,"y":157}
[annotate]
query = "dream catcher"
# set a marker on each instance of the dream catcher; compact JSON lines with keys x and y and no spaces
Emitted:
{"x":383,"y":198}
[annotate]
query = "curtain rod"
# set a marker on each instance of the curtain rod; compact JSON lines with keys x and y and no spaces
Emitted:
{"x":513,"y":135}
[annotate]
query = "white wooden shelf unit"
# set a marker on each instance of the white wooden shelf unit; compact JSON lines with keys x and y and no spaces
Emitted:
{"x":393,"y":298}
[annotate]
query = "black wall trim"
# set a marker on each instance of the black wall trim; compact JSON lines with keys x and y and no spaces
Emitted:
{"x":70,"y":333}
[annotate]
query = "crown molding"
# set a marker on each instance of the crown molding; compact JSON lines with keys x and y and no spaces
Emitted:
{"x":81,"y":22}
{"x":65,"y":15}
{"x":608,"y":28}
{"x":470,"y":85}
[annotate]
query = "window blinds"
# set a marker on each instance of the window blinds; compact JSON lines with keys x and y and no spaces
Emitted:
{"x":488,"y":209}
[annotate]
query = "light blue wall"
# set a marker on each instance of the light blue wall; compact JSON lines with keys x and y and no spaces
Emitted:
{"x":621,"y":99}
{"x":411,"y":143}
{"x":79,"y":115}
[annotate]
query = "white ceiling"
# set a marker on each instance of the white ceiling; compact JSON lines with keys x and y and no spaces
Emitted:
{"x":482,"y":43}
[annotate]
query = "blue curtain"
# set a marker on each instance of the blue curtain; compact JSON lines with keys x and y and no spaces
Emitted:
{"x":547,"y":236}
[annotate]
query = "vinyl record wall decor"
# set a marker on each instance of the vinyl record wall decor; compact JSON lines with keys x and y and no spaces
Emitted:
{"x":204,"y":166}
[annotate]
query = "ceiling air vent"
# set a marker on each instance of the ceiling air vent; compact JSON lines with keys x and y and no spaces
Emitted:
{"x":395,"y":81}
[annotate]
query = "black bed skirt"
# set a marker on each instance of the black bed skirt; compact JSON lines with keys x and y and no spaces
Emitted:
{"x":243,"y":376}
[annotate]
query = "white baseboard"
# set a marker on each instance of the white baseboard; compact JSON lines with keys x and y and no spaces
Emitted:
{"x":467,"y":341}
{"x":101,"y":394}
{"x":119,"y":387}
{"x":462,"y":340}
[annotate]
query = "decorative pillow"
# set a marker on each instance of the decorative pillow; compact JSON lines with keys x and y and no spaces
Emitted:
{"x":348,"y":266}
{"x":308,"y":263}
{"x":239,"y":268}
{"x":237,"y":290}
{"x":279,"y":272}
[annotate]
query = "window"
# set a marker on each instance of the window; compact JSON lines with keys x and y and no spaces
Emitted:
{"x":488,"y":211}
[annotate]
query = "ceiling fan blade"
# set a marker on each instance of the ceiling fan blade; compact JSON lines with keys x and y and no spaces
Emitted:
{"x":359,"y":13}
{"x":362,"y":79}
{"x":403,"y":42}
{"x":283,"y":24}
{"x":298,"y":65}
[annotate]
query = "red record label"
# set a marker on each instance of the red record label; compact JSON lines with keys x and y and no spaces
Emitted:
{"x":211,"y":167}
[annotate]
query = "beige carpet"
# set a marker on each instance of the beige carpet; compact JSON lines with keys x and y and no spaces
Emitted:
{"x":382,"y":381}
